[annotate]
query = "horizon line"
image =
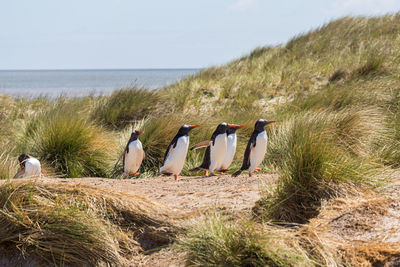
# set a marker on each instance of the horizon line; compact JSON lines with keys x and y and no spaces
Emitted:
{"x":102,"y":69}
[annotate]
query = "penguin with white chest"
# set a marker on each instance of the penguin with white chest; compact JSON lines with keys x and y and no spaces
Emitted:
{"x":175,"y":156}
{"x":29,"y":167}
{"x":133,"y":155}
{"x":230,"y":148}
{"x":216,"y":149}
{"x":256,"y":148}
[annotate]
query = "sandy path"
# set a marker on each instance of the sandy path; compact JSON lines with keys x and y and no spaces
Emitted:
{"x":188,"y":194}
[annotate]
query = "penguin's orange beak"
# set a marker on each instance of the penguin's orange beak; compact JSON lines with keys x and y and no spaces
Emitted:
{"x":139,"y":132}
{"x":232,"y":125}
{"x":238,"y":126}
{"x":193,"y":126}
{"x":270,"y":121}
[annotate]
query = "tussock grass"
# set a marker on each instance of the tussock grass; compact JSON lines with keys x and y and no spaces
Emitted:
{"x":218,"y":242}
{"x":311,"y":153}
{"x":79,"y":225}
{"x":69,"y":143}
{"x":8,"y":166}
{"x":125,"y":106}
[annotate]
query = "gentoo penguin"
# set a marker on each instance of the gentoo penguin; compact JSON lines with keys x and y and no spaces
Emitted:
{"x":230,"y":148}
{"x":175,"y":156}
{"x":29,"y":167}
{"x":133,"y":155}
{"x":256,"y":148}
{"x":216,"y":149}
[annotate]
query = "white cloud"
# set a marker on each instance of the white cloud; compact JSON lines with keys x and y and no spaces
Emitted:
{"x":363,"y":7}
{"x":244,"y":4}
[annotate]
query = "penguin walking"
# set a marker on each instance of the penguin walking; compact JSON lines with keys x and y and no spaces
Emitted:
{"x":256,"y":148}
{"x":230,"y":148}
{"x":216,"y":149}
{"x":29,"y":167}
{"x":175,"y":156}
{"x":133,"y":155}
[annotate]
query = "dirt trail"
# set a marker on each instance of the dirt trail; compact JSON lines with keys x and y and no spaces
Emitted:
{"x":189,"y":194}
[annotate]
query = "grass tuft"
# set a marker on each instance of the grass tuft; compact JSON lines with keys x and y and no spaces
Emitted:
{"x":69,"y":143}
{"x":218,"y":242}
{"x":314,"y":164}
{"x":79,"y":225}
{"x":126,"y":106}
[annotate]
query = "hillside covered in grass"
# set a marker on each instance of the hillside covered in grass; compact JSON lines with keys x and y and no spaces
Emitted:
{"x":334,"y":92}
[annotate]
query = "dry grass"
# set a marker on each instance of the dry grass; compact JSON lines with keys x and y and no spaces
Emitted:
{"x":79,"y":225}
{"x":359,"y":231}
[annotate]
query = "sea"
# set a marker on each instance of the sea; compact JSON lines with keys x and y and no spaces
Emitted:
{"x":76,"y":83}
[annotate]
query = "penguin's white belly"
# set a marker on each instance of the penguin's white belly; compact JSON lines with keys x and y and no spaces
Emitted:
{"x":218,"y":151}
{"x":32,"y":168}
{"x":134,"y":158}
{"x":258,"y":152}
{"x":230,"y":152}
{"x":176,"y":157}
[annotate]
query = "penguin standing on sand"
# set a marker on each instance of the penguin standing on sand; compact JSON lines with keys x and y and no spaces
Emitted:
{"x":29,"y":167}
{"x":230,"y":148}
{"x":175,"y":156}
{"x":133,"y":155}
{"x":256,"y":148}
{"x":216,"y":149}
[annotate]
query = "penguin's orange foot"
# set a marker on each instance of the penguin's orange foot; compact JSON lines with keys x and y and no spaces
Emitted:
{"x":205,"y":173}
{"x":250,"y":174}
{"x":176,"y":177}
{"x":257,"y":169}
{"x":135,"y":174}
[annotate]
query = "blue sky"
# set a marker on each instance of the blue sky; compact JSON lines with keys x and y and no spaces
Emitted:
{"x":86,"y":34}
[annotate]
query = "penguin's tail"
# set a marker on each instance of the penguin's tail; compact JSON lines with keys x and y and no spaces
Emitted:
{"x":237,"y":173}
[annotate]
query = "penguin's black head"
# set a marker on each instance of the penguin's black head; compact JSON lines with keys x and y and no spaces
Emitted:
{"x":232,"y":130}
{"x":135,"y":135}
{"x":22,"y":158}
{"x":223,"y":127}
{"x":260,"y":124}
{"x":185,"y":129}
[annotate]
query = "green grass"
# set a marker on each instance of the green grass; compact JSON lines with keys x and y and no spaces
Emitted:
{"x":218,"y":242}
{"x":313,"y":156}
{"x":126,"y":106}
{"x":71,"y":144}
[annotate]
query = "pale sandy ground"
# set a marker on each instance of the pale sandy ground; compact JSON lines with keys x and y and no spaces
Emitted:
{"x":188,"y":194}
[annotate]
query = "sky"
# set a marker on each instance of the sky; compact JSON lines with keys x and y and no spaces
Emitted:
{"x":120,"y":34}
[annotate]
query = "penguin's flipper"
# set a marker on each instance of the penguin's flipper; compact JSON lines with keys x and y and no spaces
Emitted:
{"x":201,"y":144}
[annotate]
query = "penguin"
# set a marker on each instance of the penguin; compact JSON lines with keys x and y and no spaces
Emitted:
{"x":175,"y":156}
{"x":133,"y":155}
{"x":256,"y":148}
{"x":231,"y":148}
{"x":29,"y":167}
{"x":216,"y":149}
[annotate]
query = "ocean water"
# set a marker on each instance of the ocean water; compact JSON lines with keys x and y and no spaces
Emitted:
{"x":52,"y":83}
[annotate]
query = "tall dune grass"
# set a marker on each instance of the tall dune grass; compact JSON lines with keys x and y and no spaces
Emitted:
{"x":125,"y":106}
{"x":69,"y":143}
{"x":312,"y":153}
